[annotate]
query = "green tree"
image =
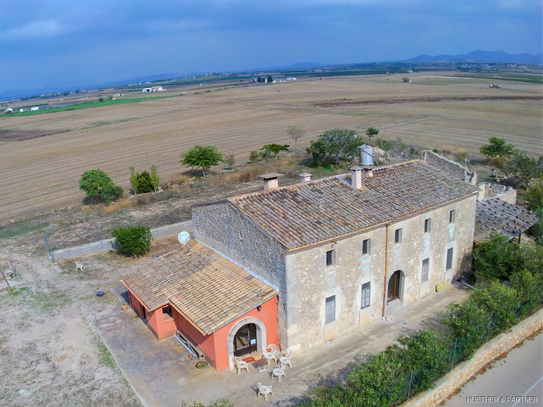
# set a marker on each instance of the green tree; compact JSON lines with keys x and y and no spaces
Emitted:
{"x":534,"y":195}
{"x":295,"y":133}
{"x":536,"y":231}
{"x":317,"y":149}
{"x":335,"y":145}
{"x":371,"y":132}
{"x":498,"y":148}
{"x":274,"y":149}
{"x":522,"y":166}
{"x":269,"y":79}
{"x":101,"y":99}
{"x":132,"y":241}
{"x":99,"y":187}
{"x":155,"y":178}
{"x":203,"y":157}
{"x":496,"y":258}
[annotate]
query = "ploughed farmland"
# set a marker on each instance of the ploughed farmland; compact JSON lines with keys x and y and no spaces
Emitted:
{"x":40,"y":165}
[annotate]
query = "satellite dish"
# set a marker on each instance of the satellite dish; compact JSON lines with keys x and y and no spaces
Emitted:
{"x":183,"y":237}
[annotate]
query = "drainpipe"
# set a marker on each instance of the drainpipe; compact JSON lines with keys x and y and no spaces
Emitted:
{"x":386,"y":271}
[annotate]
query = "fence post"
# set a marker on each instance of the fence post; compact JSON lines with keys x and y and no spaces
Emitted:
{"x":49,"y":253}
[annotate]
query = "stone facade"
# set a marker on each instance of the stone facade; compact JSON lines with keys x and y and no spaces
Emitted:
{"x":305,"y":281}
{"x":310,"y":281}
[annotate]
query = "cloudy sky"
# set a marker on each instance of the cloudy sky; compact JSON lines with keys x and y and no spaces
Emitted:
{"x":64,"y":42}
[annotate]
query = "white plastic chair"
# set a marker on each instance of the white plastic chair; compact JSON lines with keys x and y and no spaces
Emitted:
{"x":278,"y":372}
{"x":264,"y":390}
{"x":285,"y":358}
{"x":240,"y":364}
{"x":270,"y":353}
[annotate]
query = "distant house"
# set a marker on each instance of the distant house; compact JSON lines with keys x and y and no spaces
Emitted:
{"x":291,"y":79}
{"x":8,"y":110}
{"x":153,"y":89}
{"x":33,"y":109}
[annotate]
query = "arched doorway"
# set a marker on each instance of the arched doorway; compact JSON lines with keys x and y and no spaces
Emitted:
{"x":394,"y":286}
{"x":260,"y":336}
{"x":245,"y":340}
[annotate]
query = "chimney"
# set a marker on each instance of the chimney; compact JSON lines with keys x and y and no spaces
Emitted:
{"x":356,"y":177}
{"x":270,"y":180}
{"x":366,"y":155}
{"x":305,"y":177}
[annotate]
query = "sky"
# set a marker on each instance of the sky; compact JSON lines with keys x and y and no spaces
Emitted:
{"x":66,"y":42}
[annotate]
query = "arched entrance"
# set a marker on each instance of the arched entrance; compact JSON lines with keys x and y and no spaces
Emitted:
{"x":394,"y":286}
{"x":242,"y":332}
{"x":245,"y":340}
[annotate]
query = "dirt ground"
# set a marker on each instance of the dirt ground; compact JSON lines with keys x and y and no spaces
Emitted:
{"x":50,"y":355}
{"x":435,"y":110}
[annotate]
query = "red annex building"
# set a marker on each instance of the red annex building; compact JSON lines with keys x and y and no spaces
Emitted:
{"x":217,"y":305}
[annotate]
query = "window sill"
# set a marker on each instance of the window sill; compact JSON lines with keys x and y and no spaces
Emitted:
{"x":167,"y":319}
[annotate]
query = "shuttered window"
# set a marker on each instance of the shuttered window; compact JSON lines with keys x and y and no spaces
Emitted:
{"x":425,"y":269}
{"x":330,"y":309}
{"x":366,"y":295}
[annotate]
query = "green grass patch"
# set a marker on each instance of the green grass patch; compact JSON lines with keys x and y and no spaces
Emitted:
{"x":105,"y":357}
{"x":86,"y":105}
{"x":18,"y":291}
{"x":20,"y":229}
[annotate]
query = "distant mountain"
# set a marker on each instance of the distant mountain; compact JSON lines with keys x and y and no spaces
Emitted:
{"x":483,"y":56}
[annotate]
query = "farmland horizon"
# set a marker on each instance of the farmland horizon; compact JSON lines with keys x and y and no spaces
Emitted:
{"x":477,"y":56}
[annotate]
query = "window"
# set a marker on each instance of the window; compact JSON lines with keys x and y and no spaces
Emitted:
{"x":398,"y":235}
{"x":330,"y":309}
{"x":167,"y":313}
{"x":330,"y":258}
{"x":366,"y":246}
{"x":427,"y":225}
{"x":449,"y":259}
{"x":366,"y":294}
{"x":425,"y":269}
{"x":452,"y":216}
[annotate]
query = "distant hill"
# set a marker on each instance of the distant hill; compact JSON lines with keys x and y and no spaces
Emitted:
{"x":483,"y":56}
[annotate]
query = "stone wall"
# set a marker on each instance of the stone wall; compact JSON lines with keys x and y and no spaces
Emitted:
{"x":505,"y":193}
{"x":224,"y":229}
{"x":447,"y":385}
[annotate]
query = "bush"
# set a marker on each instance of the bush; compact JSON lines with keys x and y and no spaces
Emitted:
{"x":144,"y":182}
{"x":99,"y":187}
{"x":253,"y":157}
{"x":534,"y":195}
{"x":132,"y":241}
{"x":202,"y":156}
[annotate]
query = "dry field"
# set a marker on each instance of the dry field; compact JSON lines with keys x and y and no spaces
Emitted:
{"x":39,"y":174}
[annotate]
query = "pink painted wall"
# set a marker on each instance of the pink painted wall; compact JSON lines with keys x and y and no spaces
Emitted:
{"x":215,"y":346}
{"x":161,"y":328}
{"x":268,"y":316}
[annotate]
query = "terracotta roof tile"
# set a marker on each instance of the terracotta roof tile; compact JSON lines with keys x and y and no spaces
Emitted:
{"x":308,"y":213}
{"x":208,"y":289}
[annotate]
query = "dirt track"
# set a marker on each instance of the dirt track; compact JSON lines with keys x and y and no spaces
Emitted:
{"x":42,"y":173}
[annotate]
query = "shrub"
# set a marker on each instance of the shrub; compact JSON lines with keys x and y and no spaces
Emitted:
{"x":230,"y":160}
{"x":534,"y":195}
{"x":144,"y":182}
{"x":497,"y":147}
{"x":132,"y":241}
{"x":274,"y":149}
{"x":253,"y":157}
{"x":99,"y":187}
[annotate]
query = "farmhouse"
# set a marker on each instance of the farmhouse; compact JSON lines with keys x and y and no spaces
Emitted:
{"x":302,"y":264}
{"x":153,"y":89}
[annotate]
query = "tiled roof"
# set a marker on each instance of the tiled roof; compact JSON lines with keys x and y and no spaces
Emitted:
{"x":304,"y":214}
{"x":496,"y":215}
{"x":206,"y":288}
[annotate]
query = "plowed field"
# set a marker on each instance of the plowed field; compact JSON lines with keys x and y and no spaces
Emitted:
{"x":38,"y":174}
